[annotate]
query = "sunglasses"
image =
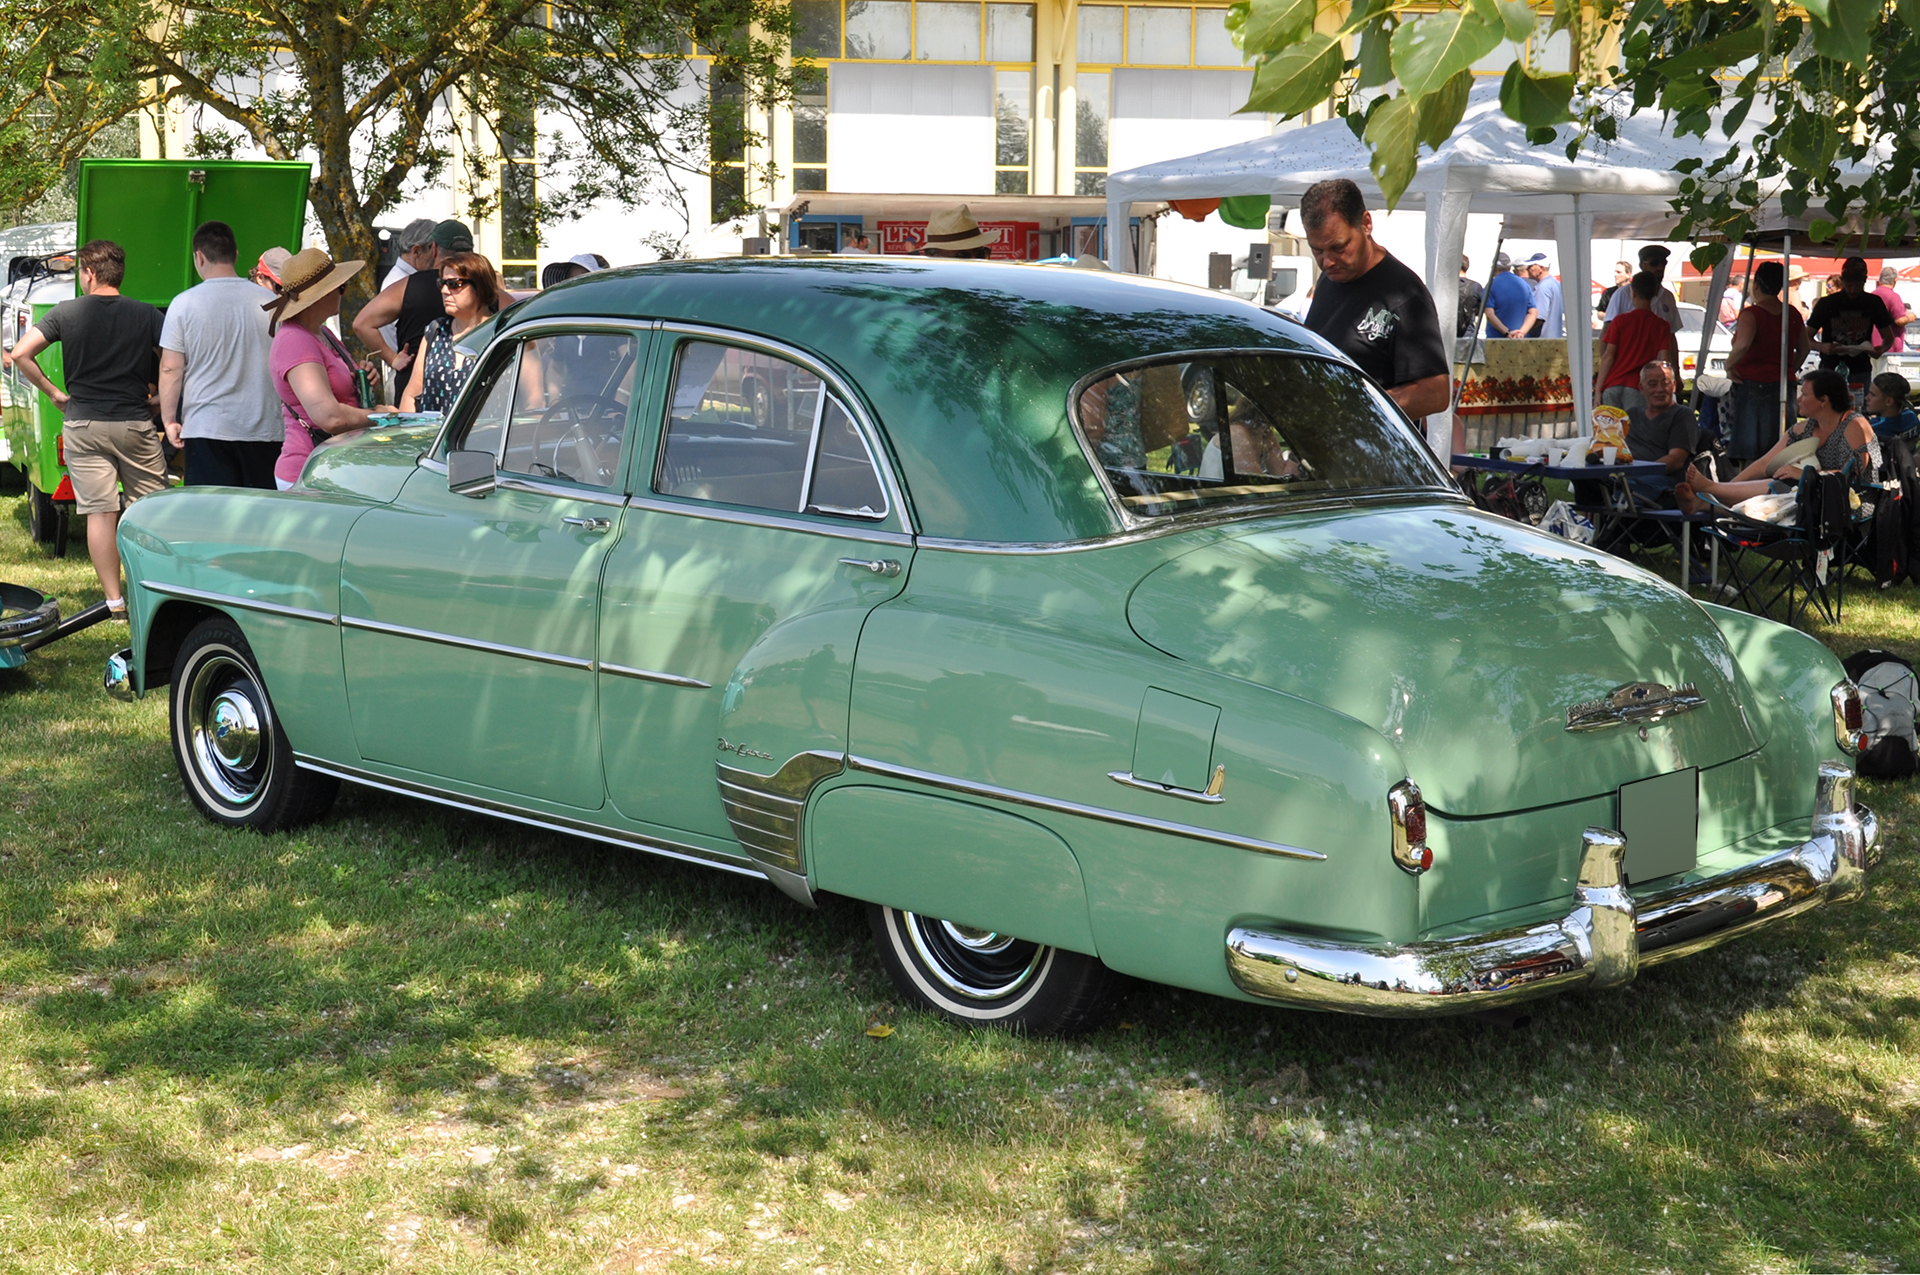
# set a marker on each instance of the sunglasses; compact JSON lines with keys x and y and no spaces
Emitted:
{"x":453,"y":285}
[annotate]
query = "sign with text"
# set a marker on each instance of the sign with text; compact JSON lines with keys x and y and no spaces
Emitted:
{"x":1018,"y":240}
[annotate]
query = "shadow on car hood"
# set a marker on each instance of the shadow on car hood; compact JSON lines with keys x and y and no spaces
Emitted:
{"x":1462,"y":638}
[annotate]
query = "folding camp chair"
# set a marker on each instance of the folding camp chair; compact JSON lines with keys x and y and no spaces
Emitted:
{"x":1784,"y":572}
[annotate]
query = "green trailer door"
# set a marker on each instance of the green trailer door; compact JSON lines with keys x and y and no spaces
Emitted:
{"x":150,"y":207}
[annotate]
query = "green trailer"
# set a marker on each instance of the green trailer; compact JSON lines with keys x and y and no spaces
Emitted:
{"x":150,"y":207}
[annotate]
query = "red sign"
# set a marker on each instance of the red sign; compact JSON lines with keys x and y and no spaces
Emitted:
{"x":1018,"y":241}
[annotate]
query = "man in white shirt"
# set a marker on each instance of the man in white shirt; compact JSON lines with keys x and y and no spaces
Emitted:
{"x":414,"y":253}
{"x":1653,"y":259}
{"x":217,"y":400}
{"x":1546,"y":297}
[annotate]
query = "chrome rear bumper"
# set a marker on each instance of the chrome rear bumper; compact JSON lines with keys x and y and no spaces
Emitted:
{"x":1602,"y":942}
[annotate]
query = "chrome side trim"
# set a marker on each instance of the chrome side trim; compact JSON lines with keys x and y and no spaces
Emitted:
{"x":750,"y":518}
{"x":245,"y":604}
{"x":531,"y":818}
{"x":1212,"y":796}
{"x":469,"y":644}
{"x":648,"y":675}
{"x":768,"y":815}
{"x":1605,"y":940}
{"x":1123,"y":819}
{"x":561,"y":491}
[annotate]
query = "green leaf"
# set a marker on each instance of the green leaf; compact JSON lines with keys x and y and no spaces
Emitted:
{"x":1845,"y":33}
{"x":1438,"y":113}
{"x":1428,"y":51}
{"x":1272,"y":25}
{"x":1607,"y":128}
{"x":1820,"y":229}
{"x":1909,"y":13}
{"x":1543,"y":135}
{"x":1735,"y":46}
{"x":1564,"y":13}
{"x":1364,"y":12}
{"x":1375,"y":57}
{"x":1793,"y":202}
{"x":1536,"y":101}
{"x":1707,"y":256}
{"x":1298,"y":78}
{"x":1390,"y":136}
{"x":1818,"y":8}
{"x":1896,"y":231}
{"x":1736,"y":115}
{"x":1514,"y":16}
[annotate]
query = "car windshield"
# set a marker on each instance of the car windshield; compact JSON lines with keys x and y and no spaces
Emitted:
{"x":1184,"y":435}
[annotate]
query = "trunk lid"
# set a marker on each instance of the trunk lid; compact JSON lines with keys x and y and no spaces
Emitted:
{"x":1463,"y":639}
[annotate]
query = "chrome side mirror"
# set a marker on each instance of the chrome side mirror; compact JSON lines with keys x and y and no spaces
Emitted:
{"x":470,"y":473}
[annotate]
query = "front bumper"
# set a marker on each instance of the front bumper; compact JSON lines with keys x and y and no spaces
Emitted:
{"x":1602,"y":942}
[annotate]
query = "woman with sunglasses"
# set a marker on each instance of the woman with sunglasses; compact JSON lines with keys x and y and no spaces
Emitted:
{"x":470,"y":290}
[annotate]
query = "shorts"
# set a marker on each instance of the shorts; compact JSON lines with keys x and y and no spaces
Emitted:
{"x":221,"y":462}
{"x":113,"y":463}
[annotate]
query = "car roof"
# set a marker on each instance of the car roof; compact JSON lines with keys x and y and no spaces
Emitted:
{"x":966,"y":364}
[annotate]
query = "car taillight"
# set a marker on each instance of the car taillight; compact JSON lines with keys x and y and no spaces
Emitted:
{"x":60,"y":449}
{"x":1849,"y":717}
{"x":1409,"y":815}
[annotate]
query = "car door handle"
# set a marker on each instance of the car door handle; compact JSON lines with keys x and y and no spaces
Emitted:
{"x":594,"y":526}
{"x":879,"y":566}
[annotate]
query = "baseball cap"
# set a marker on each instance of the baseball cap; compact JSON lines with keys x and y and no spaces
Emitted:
{"x":586,"y":260}
{"x":1503,"y":262}
{"x":1537,"y":259}
{"x":453,"y":236}
{"x":273,"y":261}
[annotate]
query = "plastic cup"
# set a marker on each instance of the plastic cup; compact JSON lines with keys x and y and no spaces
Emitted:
{"x":1607,"y":455}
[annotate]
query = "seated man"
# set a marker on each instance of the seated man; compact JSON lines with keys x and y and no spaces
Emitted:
{"x":1663,"y":430}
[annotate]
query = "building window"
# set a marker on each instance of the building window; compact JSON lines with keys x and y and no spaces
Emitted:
{"x":810,"y":138}
{"x":1013,"y":131}
{"x":1154,"y":35}
{"x":519,"y":191}
{"x":1094,"y":94}
{"x":936,"y":31}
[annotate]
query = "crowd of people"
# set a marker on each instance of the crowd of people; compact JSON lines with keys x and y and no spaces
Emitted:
{"x":243,"y":377}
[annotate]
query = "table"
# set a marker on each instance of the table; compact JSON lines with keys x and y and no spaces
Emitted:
{"x":1625,"y":508}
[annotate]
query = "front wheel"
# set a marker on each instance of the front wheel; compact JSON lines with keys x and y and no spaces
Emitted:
{"x":984,"y":978}
{"x":234,"y":757}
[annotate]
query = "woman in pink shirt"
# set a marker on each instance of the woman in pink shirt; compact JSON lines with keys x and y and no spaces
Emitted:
{"x":311,"y":369}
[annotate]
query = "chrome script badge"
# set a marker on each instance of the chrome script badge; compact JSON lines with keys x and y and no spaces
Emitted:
{"x":1636,"y":702}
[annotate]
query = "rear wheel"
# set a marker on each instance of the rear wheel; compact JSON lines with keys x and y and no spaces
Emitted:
{"x":236,"y":761}
{"x":984,"y":978}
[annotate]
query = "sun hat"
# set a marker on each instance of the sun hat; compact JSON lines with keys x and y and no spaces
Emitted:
{"x":453,"y":236}
{"x":956,"y":231}
{"x":309,"y":275}
{"x":273,"y":261}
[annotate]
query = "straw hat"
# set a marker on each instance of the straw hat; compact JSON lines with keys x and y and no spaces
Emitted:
{"x":309,"y":275}
{"x":956,"y":231}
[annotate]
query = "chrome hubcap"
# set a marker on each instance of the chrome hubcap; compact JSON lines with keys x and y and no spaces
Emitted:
{"x":974,"y":963}
{"x":228,"y":730}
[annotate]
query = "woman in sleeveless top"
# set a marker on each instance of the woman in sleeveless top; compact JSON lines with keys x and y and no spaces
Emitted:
{"x":470,"y":290}
{"x":1845,"y":443}
{"x":1753,"y":364}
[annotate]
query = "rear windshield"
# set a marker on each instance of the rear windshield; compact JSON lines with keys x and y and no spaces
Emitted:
{"x":1179,"y":436}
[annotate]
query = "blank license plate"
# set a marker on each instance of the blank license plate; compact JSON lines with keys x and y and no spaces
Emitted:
{"x":1660,"y":818}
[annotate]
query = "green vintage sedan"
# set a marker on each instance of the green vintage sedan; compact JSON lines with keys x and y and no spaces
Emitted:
{"x":1082,"y":626}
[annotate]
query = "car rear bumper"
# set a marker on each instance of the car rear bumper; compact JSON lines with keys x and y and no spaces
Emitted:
{"x":1603,"y":941}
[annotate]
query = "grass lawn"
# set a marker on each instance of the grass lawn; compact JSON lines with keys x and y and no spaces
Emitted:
{"x":411,"y":1040}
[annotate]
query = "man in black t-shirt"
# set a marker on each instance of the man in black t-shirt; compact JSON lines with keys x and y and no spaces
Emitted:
{"x":1843,"y":324}
{"x":1370,"y":306}
{"x":410,"y":304}
{"x":110,"y":360}
{"x":1473,"y":299}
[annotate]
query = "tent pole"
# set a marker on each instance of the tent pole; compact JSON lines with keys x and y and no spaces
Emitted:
{"x":1573,"y":235}
{"x":1721,"y":273}
{"x":1786,"y":324}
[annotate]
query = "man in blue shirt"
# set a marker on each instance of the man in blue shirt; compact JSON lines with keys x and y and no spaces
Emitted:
{"x":1510,"y":305}
{"x":1546,"y":298}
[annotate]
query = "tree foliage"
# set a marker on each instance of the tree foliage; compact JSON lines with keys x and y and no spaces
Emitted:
{"x":1834,"y":83}
{"x":362,"y":88}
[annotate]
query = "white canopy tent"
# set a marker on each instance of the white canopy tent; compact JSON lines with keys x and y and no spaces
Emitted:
{"x":1615,"y":190}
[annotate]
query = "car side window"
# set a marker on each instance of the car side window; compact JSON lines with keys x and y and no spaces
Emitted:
{"x":571,"y":399}
{"x":483,"y":430}
{"x":749,"y":428}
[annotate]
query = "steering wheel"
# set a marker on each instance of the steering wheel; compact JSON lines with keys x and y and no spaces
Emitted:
{"x":572,"y":415}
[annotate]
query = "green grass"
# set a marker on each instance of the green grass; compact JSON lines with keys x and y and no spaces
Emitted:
{"x":410,"y":1040}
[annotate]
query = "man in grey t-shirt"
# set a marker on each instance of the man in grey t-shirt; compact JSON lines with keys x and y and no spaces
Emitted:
{"x":217,"y":399}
